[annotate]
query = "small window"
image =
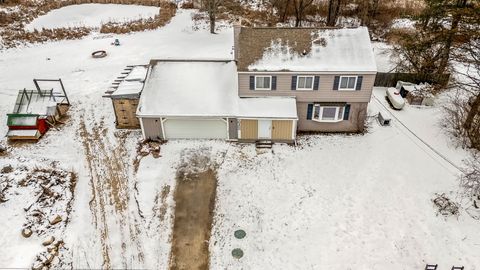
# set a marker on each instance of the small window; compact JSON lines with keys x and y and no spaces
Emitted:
{"x":305,"y":83}
{"x":263,"y":82}
{"x":327,"y":113}
{"x":347,"y":83}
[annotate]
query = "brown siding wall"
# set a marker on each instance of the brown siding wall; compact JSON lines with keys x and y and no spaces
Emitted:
{"x":355,"y":122}
{"x":248,"y":129}
{"x":152,"y":128}
{"x":125,"y":113}
{"x":325,"y":92}
{"x":282,"y":129}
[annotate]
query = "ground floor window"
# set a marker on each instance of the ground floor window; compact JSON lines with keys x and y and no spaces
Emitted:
{"x":327,"y":113}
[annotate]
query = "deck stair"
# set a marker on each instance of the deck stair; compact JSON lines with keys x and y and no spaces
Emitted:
{"x":431,"y":267}
{"x":457,"y":267}
{"x":264,"y":144}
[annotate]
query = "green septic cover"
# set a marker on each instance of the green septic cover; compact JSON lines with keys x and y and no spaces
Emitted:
{"x":237,"y":253}
{"x":22,"y":120}
{"x":240,"y":234}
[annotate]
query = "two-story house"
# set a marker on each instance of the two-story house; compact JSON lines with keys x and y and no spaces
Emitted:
{"x":330,"y":72}
{"x":280,"y":82}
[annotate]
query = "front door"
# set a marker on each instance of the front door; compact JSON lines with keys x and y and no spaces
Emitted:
{"x":264,"y":129}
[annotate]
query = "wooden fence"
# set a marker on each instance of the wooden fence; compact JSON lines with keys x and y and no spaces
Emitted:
{"x":390,"y":79}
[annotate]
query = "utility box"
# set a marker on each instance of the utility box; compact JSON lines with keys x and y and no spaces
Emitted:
{"x":384,"y":120}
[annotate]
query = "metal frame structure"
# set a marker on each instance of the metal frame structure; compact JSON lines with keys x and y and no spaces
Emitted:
{"x":35,"y":81}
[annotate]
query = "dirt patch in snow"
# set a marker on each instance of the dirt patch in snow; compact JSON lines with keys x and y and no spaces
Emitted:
{"x":50,"y":193}
{"x":108,"y":163}
{"x":53,"y":190}
{"x":195,"y":203}
{"x":145,"y":148}
{"x":160,"y":208}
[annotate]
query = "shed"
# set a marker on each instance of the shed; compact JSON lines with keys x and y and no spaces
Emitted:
{"x":125,"y":94}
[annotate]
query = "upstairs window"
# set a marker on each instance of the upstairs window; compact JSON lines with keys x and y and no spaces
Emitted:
{"x":263,"y":82}
{"x":327,"y":113}
{"x":305,"y":83}
{"x":347,"y":83}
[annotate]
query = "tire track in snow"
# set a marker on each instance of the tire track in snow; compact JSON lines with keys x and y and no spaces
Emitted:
{"x":97,"y":203}
{"x":111,"y":207}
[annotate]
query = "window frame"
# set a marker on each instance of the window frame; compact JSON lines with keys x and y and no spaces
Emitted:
{"x":347,"y":88}
{"x":338,"y":118}
{"x":262,"y":89}
{"x":305,"y":76}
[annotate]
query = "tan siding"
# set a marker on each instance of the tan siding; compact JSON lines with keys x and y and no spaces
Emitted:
{"x":355,"y":122}
{"x":324,"y":93}
{"x":125,"y":112}
{"x":282,"y":129}
{"x":152,"y":128}
{"x":248,"y":129}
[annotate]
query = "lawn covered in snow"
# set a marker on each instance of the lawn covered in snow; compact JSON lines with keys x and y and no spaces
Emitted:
{"x":91,"y":15}
{"x":332,"y":202}
{"x":131,"y":241}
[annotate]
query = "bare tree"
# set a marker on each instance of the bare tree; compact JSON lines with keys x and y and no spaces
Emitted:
{"x":283,"y":8}
{"x":211,"y":7}
{"x":333,"y":11}
{"x":469,"y":84}
{"x":368,"y":11}
{"x":456,"y":10}
{"x":300,"y":7}
{"x":470,"y":179}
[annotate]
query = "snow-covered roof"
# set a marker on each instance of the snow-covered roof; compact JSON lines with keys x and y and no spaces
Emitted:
{"x":305,"y":49}
{"x":137,"y":73}
{"x":131,"y":85}
{"x":126,"y":88}
{"x":267,"y":107}
{"x":189,"y":88}
{"x":204,"y":88}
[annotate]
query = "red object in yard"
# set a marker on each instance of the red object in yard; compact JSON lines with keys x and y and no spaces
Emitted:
{"x":42,"y":125}
{"x":23,"y":126}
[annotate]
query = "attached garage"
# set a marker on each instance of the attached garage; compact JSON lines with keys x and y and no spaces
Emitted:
{"x":195,"y":129}
{"x":208,"y":107}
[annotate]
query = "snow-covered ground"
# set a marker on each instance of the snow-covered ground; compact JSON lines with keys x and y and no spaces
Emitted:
{"x":91,"y":15}
{"x":403,"y":23}
{"x":335,"y":201}
{"x":86,"y":79}
{"x":383,"y":57}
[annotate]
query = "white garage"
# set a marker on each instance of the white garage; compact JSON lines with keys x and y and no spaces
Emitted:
{"x":198,"y":129}
{"x":189,"y":99}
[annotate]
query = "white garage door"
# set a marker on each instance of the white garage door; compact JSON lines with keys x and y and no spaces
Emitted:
{"x":195,"y":129}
